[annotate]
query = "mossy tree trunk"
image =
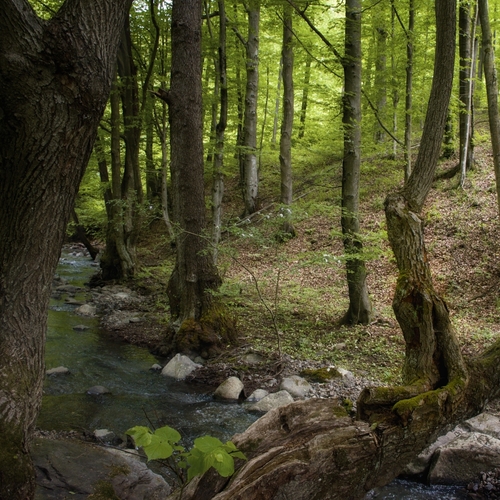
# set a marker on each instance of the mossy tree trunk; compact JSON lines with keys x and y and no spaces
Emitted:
{"x":55,"y":78}
{"x":195,"y":278}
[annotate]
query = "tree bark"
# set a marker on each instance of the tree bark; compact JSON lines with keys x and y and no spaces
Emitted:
{"x":250,"y":164}
{"x":305,"y":96}
{"x":197,"y":320}
{"x":359,"y":302}
{"x":119,"y":258}
{"x":409,"y":89}
{"x":490,"y":75}
{"x":55,"y":78}
{"x":218,"y":176}
{"x":466,"y":49}
{"x":287,"y":123}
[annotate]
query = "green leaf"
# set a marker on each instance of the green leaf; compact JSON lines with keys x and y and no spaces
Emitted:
{"x":166,"y":433}
{"x":238,"y":454}
{"x":141,"y":435}
{"x":223,"y":464}
{"x":158,"y":449}
{"x":207,"y":443}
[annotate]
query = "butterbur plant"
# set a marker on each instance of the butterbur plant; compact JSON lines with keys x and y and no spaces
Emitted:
{"x":207,"y":451}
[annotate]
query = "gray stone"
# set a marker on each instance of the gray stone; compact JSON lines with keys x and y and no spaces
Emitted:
{"x":73,"y":302}
{"x":485,"y":423}
{"x":156,"y":367}
{"x":86,"y":310}
{"x":179,"y":367}
{"x":462,"y":459}
{"x":296,"y":386}
{"x":421,"y":463}
{"x":348,"y":378}
{"x":229,"y":389}
{"x":72,"y":469}
{"x":104,"y":435}
{"x":60,"y":370}
{"x":97,"y":390}
{"x":257,"y":395}
{"x":271,"y":401}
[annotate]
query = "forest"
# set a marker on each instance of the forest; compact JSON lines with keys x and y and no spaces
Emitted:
{"x":318,"y":180}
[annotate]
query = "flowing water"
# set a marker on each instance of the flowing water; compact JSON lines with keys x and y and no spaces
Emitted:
{"x":138,"y":395}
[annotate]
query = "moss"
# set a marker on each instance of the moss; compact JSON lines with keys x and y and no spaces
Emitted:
{"x":339,"y":411}
{"x":103,"y":490}
{"x":320,"y":374}
{"x":119,"y":470}
{"x":212,"y":333}
{"x":348,"y":405}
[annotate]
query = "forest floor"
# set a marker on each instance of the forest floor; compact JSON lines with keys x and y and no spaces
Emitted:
{"x":288,"y":297}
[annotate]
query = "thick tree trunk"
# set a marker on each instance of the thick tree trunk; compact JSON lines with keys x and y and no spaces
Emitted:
{"x":55,"y":78}
{"x":359,"y":302}
{"x":250,"y":163}
{"x":287,"y":123}
{"x":197,"y":321}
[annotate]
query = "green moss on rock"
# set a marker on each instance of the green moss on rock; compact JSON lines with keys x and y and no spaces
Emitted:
{"x":320,"y":374}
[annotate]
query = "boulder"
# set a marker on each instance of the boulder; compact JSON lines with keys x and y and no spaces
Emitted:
{"x":229,"y":389}
{"x":462,"y":459}
{"x":296,"y":386}
{"x":179,"y":367}
{"x":486,"y":423}
{"x":271,"y":401}
{"x":257,"y":395}
{"x":86,"y":310}
{"x":67,"y":468}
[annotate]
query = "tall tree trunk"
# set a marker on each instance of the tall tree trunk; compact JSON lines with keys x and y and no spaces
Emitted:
{"x":359,"y":302}
{"x":250,"y":163}
{"x":305,"y":96}
{"x":218,"y":176}
{"x":433,"y":357}
{"x":277,"y":102}
{"x":55,"y":78}
{"x":197,"y":320}
{"x":287,"y":123}
{"x":409,"y":89}
{"x":119,"y":258}
{"x":490,"y":75}
{"x":466,"y":49}
{"x":380,"y":82}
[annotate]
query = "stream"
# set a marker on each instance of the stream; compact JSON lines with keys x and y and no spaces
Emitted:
{"x":138,"y":395}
